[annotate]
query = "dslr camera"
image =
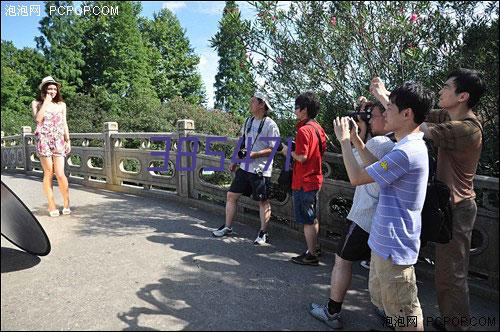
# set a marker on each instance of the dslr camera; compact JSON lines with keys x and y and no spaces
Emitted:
{"x":243,"y":152}
{"x":364,"y":115}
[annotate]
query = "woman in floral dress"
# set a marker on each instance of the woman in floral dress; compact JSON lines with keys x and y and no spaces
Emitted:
{"x":52,"y":141}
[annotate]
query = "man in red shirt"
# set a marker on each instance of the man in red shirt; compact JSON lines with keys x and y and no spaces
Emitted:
{"x":307,"y":178}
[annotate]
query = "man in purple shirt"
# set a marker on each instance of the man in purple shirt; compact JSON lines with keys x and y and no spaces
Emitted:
{"x":402,"y":176}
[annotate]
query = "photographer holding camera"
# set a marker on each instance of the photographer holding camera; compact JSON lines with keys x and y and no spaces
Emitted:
{"x":370,"y":121}
{"x":307,"y":175}
{"x":251,"y":178}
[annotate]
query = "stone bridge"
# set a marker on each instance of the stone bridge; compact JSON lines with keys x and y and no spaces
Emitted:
{"x":131,"y":226}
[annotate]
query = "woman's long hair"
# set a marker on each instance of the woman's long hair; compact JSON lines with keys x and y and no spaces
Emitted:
{"x":58,"y":98}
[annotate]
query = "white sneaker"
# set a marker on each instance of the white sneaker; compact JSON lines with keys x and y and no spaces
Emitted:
{"x":320,"y":312}
{"x":221,"y":231}
{"x":262,"y":238}
{"x":66,"y":211}
{"x":54,"y":213}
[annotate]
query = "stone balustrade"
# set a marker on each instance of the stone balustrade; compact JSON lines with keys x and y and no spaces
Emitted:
{"x":100,"y":160}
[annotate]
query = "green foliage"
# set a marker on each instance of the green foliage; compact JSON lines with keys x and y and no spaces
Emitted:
{"x":172,"y":57}
{"x":85,"y":114}
{"x":480,"y":51}
{"x":115,"y":56}
{"x":62,"y":45}
{"x":234,"y":84}
{"x":18,"y":86}
{"x":214,"y":122}
{"x":334,"y":49}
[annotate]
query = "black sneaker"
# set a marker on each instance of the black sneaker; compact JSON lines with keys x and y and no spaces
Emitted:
{"x":306,"y":259}
{"x":262,"y":238}
{"x":317,"y":251}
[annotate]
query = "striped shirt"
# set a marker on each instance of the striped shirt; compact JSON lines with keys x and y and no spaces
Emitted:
{"x":402,"y":176}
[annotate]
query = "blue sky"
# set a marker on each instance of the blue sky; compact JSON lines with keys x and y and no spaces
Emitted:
{"x":199,"y":18}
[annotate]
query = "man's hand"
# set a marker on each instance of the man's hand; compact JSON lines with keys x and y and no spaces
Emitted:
{"x":362,"y":101}
{"x":284,"y":149}
{"x":232,"y":167}
{"x":354,"y":134}
{"x":341,"y":127}
{"x":378,"y":90}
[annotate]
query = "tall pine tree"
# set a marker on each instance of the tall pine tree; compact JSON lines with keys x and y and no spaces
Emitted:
{"x":62,"y":45}
{"x":116,"y":59}
{"x":174,"y":64}
{"x":234,"y":83}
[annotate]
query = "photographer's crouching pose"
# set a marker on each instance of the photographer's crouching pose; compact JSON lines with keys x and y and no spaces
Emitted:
{"x":354,"y":246}
{"x":252,"y":179}
{"x":395,"y":231}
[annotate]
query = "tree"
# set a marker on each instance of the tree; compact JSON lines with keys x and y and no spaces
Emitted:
{"x":234,"y":83}
{"x":62,"y":45}
{"x":115,"y":56}
{"x":22,"y":71}
{"x":174,"y":64}
{"x":335,"y":48}
{"x":480,"y":51}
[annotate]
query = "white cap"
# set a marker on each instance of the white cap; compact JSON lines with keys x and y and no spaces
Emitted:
{"x":263,"y":97}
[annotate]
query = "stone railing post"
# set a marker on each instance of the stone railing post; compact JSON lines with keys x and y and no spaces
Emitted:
{"x":25,"y":132}
{"x":184,"y":127}
{"x":109,"y":152}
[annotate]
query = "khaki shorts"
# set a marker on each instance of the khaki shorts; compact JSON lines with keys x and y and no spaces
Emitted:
{"x":394,"y":289}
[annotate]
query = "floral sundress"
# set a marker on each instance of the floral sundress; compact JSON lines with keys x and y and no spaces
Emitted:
{"x":49,"y":135}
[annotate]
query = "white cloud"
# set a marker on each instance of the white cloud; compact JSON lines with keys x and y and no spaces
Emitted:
{"x":174,"y":5}
{"x":208,"y":66}
{"x":210,"y":7}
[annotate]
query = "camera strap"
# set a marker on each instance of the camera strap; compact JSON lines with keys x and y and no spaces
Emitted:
{"x":317,"y":134}
{"x":261,"y":126}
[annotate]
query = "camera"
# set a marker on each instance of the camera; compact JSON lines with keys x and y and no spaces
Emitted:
{"x":362,"y":115}
{"x":359,"y":115}
{"x":292,"y":148}
{"x":242,"y":153}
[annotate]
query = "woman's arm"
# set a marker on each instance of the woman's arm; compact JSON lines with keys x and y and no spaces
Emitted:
{"x":39,"y":110}
{"x":66,"y":129}
{"x":67,"y":141}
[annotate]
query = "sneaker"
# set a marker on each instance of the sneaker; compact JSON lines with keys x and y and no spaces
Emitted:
{"x":262,"y":238}
{"x":365,"y":264}
{"x":306,"y":259}
{"x":221,"y":231}
{"x":320,"y":312}
{"x":54,"y":213}
{"x":317,"y":251}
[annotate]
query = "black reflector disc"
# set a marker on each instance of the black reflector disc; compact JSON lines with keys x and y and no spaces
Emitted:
{"x":20,"y":226}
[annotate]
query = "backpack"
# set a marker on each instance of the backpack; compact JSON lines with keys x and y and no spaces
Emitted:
{"x":437,"y":221}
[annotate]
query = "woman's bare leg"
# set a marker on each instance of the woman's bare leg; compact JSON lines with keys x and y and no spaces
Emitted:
{"x":48,"y":175}
{"x":62,"y":180}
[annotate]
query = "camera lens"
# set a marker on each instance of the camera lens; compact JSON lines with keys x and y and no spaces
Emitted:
{"x":242,"y":153}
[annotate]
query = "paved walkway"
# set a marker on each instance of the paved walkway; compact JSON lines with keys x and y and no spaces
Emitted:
{"x":125,"y":262}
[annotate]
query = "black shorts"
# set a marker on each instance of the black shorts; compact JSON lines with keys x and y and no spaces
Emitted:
{"x":354,"y":244}
{"x":250,"y":184}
